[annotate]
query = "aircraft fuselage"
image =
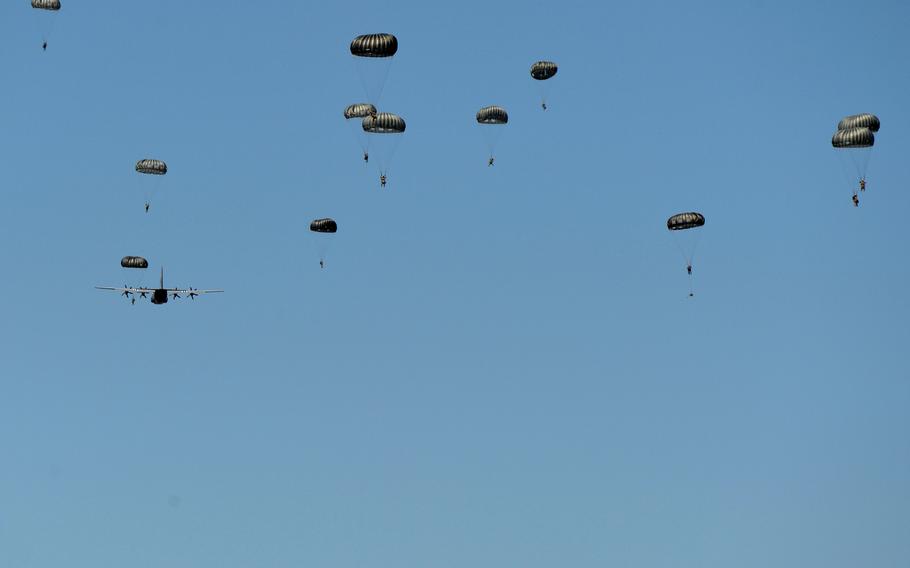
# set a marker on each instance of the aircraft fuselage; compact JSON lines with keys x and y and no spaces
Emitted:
{"x":159,"y":296}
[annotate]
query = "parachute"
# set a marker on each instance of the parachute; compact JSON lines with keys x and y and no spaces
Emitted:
{"x":853,"y":141}
{"x":384,"y":123}
{"x":682,"y":221}
{"x":687,"y":239}
{"x":324,"y":226}
{"x":543,"y":70}
{"x":373,"y":54}
{"x":134,"y":262}
{"x":52,"y":5}
{"x":863,"y":120}
{"x":492,"y":115}
{"x":359,"y":110}
{"x":153,"y":167}
{"x":379,"y":127}
{"x":853,"y":138}
{"x":373,"y":45}
{"x":540,"y":72}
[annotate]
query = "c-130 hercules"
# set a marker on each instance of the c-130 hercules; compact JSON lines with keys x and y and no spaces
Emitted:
{"x":158,"y":295}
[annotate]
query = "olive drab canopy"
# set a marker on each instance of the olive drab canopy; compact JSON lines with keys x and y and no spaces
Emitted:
{"x":383,"y":123}
{"x":853,"y":138}
{"x":46,"y":4}
{"x":492,"y":115}
{"x":324,"y":226}
{"x":543,"y":70}
{"x":359,"y":110}
{"x":153,"y":167}
{"x":864,"y":120}
{"x":682,"y":221}
{"x":134,"y":262}
{"x":374,"y":45}
{"x":373,"y":55}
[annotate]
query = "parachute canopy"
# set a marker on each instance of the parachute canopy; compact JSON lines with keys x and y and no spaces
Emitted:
{"x":864,"y":120}
{"x":374,"y":45}
{"x":383,"y":123}
{"x":492,"y":115}
{"x":359,"y":110}
{"x":685,"y":221}
{"x":324,"y":226}
{"x":154,"y":167}
{"x":543,"y":70}
{"x":46,"y":4}
{"x":853,"y":138}
{"x":134,"y":262}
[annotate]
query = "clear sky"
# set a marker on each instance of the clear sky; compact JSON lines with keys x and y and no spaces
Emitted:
{"x":499,"y":366}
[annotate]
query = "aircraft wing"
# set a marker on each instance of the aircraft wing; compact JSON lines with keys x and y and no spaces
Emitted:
{"x":191,"y":292}
{"x":125,"y":291}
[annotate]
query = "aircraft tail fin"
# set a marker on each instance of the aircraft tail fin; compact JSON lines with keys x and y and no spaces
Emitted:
{"x":162,"y":277}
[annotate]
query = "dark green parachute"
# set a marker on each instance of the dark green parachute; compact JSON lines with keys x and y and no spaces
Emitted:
{"x":853,"y":138}
{"x":324,"y":226}
{"x":134,"y":262}
{"x":359,"y":110}
{"x":688,"y":220}
{"x":543,"y":70}
{"x":374,"y":45}
{"x":46,"y":4}
{"x":492,"y":115}
{"x":384,"y":123}
{"x":153,"y":167}
{"x":863,"y":120}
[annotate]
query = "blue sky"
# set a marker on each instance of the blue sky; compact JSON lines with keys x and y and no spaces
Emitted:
{"x":499,"y":366}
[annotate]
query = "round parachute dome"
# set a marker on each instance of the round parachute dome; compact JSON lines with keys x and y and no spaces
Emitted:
{"x":134,"y":262}
{"x":688,"y":220}
{"x":154,"y":167}
{"x":384,"y":123}
{"x":374,"y":45}
{"x":359,"y":110}
{"x":543,"y":70}
{"x":46,"y":4}
{"x":853,"y":138}
{"x":492,"y":115}
{"x":864,"y":120}
{"x":324,"y":226}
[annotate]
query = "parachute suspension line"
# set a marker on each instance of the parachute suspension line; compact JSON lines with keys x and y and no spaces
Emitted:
{"x":682,"y":252}
{"x":385,"y":76}
{"x":362,"y":69}
{"x":694,"y":246}
{"x":854,"y":167}
{"x":861,"y":160}
{"x":386,"y":165}
{"x":689,"y":258}
{"x":48,"y":31}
